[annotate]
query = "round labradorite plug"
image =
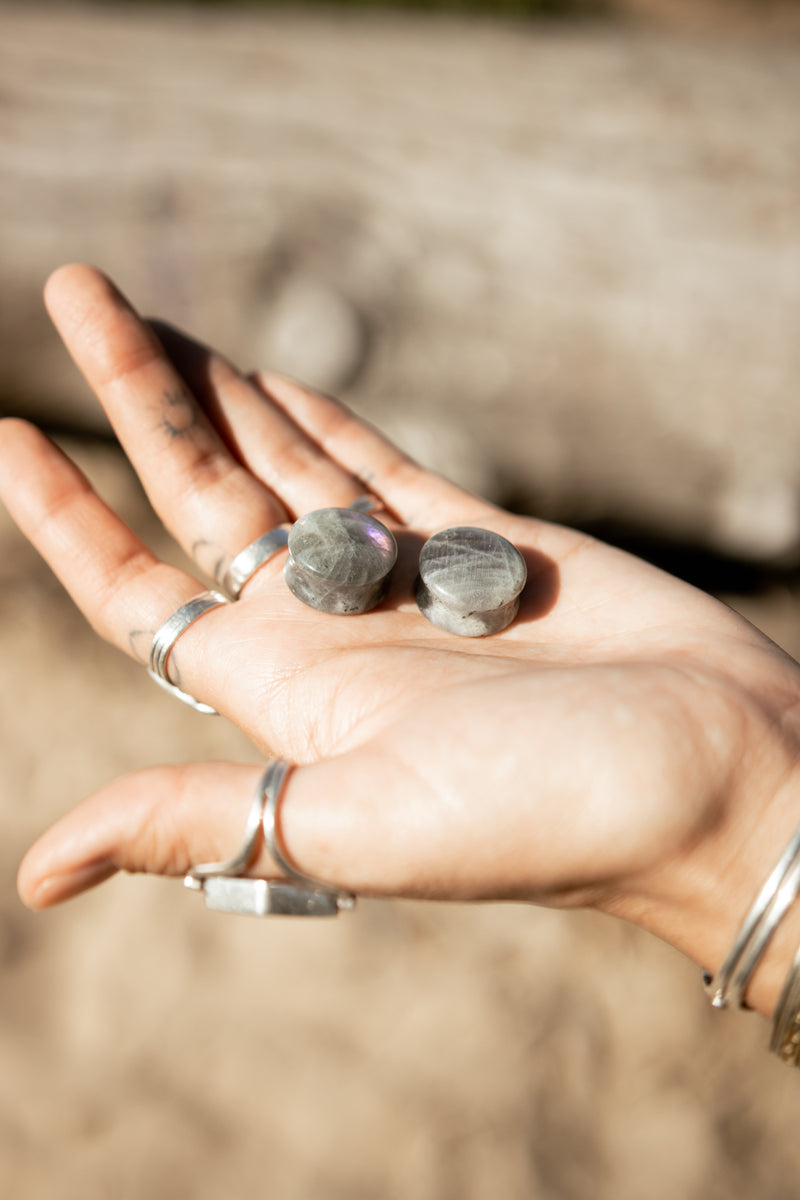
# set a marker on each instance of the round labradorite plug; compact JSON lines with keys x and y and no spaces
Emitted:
{"x":339,"y":560}
{"x":469,"y":581}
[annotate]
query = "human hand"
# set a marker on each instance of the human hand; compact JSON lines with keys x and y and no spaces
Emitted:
{"x":628,"y":742}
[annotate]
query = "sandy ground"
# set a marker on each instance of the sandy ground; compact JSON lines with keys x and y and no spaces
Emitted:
{"x":150,"y":1049}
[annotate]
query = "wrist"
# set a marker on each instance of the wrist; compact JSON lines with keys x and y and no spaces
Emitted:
{"x":699,"y":902}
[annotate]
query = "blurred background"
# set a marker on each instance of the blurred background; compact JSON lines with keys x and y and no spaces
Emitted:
{"x":553,"y":249}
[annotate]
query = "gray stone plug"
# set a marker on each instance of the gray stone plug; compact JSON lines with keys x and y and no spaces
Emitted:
{"x":339,"y":560}
{"x":469,"y":581}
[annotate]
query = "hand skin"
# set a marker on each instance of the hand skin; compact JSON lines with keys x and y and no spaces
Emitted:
{"x":628,"y":743}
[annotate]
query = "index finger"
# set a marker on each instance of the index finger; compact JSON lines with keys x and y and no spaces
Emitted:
{"x":204,"y":495}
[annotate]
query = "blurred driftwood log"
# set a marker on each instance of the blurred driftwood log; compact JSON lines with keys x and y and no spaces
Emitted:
{"x":560,"y":264}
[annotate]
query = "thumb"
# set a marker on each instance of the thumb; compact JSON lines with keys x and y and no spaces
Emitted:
{"x":163,"y":820}
{"x":365,"y":821}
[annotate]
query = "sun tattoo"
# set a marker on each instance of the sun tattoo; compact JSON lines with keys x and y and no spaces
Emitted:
{"x":180,"y":415}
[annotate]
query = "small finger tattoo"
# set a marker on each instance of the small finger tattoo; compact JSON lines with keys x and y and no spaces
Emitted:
{"x":211,"y":558}
{"x":180,"y":415}
{"x":140,"y":641}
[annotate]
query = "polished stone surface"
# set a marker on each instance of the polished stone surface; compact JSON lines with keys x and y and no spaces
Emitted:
{"x":339,"y":560}
{"x":469,"y":581}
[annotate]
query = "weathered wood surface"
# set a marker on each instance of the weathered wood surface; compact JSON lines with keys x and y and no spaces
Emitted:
{"x":563,"y":264}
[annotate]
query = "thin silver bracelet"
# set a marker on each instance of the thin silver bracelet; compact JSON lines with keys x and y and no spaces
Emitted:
{"x":729,"y":984}
{"x":785,"y":1040}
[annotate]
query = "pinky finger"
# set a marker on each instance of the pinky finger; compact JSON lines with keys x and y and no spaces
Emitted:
{"x":122,"y":589}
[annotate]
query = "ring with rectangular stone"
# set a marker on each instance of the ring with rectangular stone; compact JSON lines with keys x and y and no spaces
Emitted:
{"x":227,"y":889}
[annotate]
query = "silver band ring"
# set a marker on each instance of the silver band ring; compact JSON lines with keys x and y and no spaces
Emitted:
{"x":252,"y":558}
{"x":367,"y":503}
{"x":272,"y":784}
{"x":167,"y":635}
{"x":243,"y":857}
{"x":226,"y":891}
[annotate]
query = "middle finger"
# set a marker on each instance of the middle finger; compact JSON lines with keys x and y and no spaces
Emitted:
{"x":260,"y":433}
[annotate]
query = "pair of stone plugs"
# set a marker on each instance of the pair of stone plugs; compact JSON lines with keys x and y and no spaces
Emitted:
{"x":469,"y":580}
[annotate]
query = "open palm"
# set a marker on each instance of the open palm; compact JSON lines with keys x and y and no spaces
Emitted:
{"x":606,"y":748}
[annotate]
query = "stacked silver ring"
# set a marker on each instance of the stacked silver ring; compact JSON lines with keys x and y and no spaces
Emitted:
{"x":167,"y":635}
{"x":227,"y":890}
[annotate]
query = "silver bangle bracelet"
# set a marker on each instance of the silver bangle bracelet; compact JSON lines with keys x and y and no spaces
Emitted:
{"x":729,"y":984}
{"x":785,"y":1040}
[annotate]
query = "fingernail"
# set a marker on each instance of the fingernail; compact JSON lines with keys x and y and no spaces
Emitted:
{"x":66,"y":884}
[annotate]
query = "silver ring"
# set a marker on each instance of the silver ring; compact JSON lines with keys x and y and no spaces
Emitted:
{"x":167,"y":635}
{"x":367,"y":503}
{"x":252,"y":558}
{"x":226,"y":891}
{"x":272,"y":784}
{"x":243,"y":857}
